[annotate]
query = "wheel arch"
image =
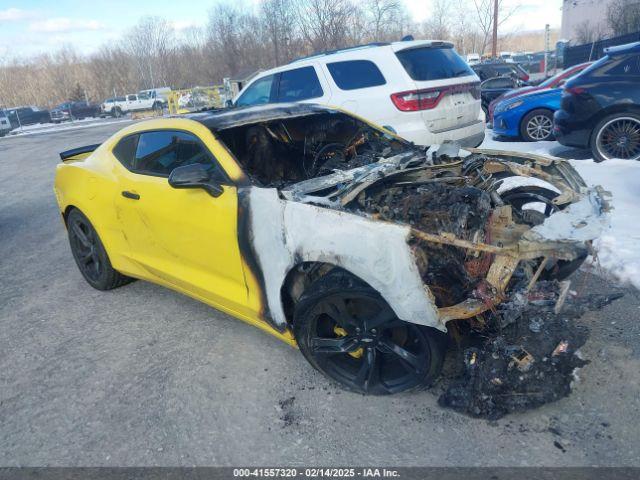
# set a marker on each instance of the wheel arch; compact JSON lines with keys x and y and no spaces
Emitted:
{"x":299,"y":277}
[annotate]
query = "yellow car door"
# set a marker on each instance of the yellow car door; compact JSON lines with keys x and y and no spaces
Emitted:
{"x":183,"y":238}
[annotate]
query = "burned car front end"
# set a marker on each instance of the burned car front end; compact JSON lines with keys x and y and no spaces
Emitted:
{"x":450,"y":240}
{"x":474,"y":242}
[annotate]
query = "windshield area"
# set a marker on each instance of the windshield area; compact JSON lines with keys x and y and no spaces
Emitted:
{"x":282,"y":152}
{"x":428,"y":63}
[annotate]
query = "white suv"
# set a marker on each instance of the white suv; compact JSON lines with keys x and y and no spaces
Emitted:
{"x":422,"y":90}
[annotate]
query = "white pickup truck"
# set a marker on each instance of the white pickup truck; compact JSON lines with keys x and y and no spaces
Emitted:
{"x":118,"y":106}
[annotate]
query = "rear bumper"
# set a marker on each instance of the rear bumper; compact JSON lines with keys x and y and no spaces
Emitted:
{"x":568,"y":133}
{"x":467,"y":136}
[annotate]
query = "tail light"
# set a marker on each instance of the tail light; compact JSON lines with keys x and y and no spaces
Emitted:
{"x":426,"y":99}
{"x":574,"y":91}
{"x":415,"y":100}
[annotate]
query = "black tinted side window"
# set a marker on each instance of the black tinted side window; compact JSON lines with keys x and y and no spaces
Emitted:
{"x":626,"y":66}
{"x":500,"y":82}
{"x":125,"y":150}
{"x":355,"y":74}
{"x":299,"y":84}
{"x":160,"y":152}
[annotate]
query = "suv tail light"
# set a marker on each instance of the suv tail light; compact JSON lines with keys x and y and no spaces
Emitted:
{"x":428,"y":98}
{"x":574,"y":90}
{"x":415,"y":100}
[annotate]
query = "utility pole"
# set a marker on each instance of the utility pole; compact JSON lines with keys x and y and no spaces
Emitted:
{"x":494,"y":46}
{"x":547,"y":37}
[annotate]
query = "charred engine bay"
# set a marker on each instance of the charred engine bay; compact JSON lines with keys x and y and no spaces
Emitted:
{"x":529,"y":362}
{"x":438,"y":207}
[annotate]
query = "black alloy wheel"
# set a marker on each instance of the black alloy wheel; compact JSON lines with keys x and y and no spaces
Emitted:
{"x":90,"y":255}
{"x":348,"y":332}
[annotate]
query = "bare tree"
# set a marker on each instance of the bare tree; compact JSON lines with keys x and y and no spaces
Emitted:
{"x":279,"y":17}
{"x":438,"y":25}
{"x":588,"y":32}
{"x":383,"y":17}
{"x":151,"y":43}
{"x":484,"y":10}
{"x":325,"y":24}
{"x":623,"y":16}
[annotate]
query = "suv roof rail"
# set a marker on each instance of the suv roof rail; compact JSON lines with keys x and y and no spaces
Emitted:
{"x":622,"y":49}
{"x":339,"y":50}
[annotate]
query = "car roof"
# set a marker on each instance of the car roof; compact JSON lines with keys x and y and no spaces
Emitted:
{"x":217,"y":120}
{"x":395,"y":46}
{"x":623,"y":49}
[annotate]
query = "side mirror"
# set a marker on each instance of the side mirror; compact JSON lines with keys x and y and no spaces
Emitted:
{"x":195,"y":176}
{"x":228,"y":104}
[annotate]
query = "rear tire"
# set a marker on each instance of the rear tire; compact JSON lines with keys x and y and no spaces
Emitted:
{"x":609,"y":131}
{"x":537,"y":126}
{"x":90,"y":255}
{"x":346,"y":330}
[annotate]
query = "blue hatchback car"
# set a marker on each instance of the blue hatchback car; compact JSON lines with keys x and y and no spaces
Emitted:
{"x":529,"y":116}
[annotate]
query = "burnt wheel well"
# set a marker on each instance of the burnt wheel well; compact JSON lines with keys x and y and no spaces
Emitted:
{"x":299,"y":278}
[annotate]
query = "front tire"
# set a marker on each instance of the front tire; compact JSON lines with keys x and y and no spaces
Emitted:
{"x":346,"y":330}
{"x":537,"y":126}
{"x":90,"y":255}
{"x":616,"y":136}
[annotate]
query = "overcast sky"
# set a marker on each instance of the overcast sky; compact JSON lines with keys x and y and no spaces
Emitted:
{"x":28,"y":27}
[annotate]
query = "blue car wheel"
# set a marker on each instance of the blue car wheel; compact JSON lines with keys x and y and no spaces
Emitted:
{"x":537,"y":125}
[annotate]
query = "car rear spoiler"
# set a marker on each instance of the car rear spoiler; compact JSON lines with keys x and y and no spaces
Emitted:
{"x":79,"y":153}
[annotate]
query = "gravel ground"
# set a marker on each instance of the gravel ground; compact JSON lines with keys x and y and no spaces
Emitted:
{"x":145,"y":376}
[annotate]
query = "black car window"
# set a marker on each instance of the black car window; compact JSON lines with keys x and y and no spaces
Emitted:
{"x":259,"y":92}
{"x":125,"y":150}
{"x":120,"y":99}
{"x":625,"y":66}
{"x":299,"y":84}
{"x":429,"y":63}
{"x":355,"y":74}
{"x":498,"y":82}
{"x":131,"y":98}
{"x":160,"y":152}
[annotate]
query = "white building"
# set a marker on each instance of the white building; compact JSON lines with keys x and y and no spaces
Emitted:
{"x":583,"y":15}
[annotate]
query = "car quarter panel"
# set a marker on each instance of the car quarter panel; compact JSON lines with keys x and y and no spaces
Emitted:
{"x":285,"y":233}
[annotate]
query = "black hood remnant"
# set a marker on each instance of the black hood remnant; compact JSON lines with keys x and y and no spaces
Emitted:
{"x":532,"y":361}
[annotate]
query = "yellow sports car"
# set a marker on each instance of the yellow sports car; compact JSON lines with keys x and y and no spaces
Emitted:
{"x":324,"y":230}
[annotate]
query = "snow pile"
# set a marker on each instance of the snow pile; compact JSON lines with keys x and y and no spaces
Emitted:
{"x":619,"y":247}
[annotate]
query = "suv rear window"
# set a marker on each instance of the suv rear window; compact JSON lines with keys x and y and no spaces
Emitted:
{"x":355,"y":74}
{"x":428,"y":63}
{"x":299,"y":84}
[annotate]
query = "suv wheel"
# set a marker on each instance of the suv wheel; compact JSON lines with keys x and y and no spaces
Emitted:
{"x":345,"y":329}
{"x":537,"y":125}
{"x":617,"y":136}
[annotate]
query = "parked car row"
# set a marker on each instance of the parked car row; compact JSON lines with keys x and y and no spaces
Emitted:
{"x":592,"y":105}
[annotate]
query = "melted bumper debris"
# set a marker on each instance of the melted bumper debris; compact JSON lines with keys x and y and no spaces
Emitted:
{"x":531,"y":361}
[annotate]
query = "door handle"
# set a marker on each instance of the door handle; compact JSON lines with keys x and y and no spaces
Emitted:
{"x":131,"y":195}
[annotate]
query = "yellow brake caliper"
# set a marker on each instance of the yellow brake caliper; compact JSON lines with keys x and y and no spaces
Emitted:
{"x":341,"y":332}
